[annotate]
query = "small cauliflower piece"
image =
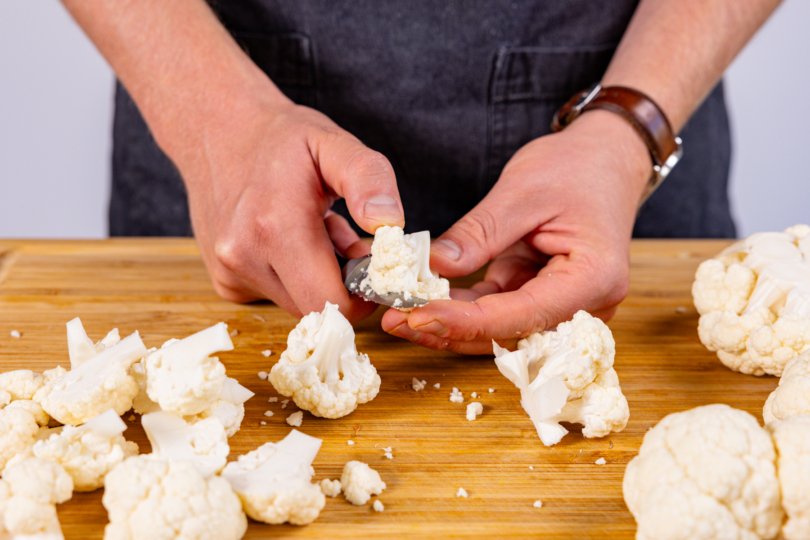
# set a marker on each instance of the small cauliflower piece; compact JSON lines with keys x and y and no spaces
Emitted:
{"x":229,"y":408}
{"x":274,"y":481}
{"x":418,"y":385}
{"x":473,"y":410}
{"x":378,"y":506}
{"x":330,"y":488}
{"x":705,"y":474}
{"x":102,"y":382}
{"x":321,"y":368}
{"x":31,"y":488}
{"x":461,"y":492}
{"x":400,"y":263}
{"x":18,"y":427}
{"x":567,"y":375}
{"x":360,"y":482}
{"x":792,"y":396}
{"x":81,"y":347}
{"x":792,"y":439}
{"x":34,"y":408}
{"x":90,"y":451}
{"x":295,"y":419}
{"x":182,"y":377}
{"x":456,"y":396}
{"x":149,"y":497}
{"x":21,"y":384}
{"x":204,"y":443}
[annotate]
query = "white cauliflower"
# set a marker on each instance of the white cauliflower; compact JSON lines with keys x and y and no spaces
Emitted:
{"x":400,"y":263}
{"x":330,"y":488}
{"x":792,"y":396}
{"x":149,"y":497}
{"x":28,"y":493}
{"x":360,"y":482}
{"x":792,"y":440}
{"x":18,"y":427}
{"x":567,"y":375}
{"x":320,"y":350}
{"x":21,"y":384}
{"x":100,"y":383}
{"x":204,"y":443}
{"x":705,"y":474}
{"x":275,"y":480}
{"x":81,"y":347}
{"x":90,"y":451}
{"x":182,"y":377}
{"x":754,"y":301}
{"x":34,"y":408}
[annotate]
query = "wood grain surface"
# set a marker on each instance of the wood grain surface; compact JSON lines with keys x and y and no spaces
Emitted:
{"x":160,"y":288}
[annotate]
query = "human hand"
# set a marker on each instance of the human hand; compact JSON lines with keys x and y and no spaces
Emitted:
{"x":557,"y":228}
{"x":260,"y":189}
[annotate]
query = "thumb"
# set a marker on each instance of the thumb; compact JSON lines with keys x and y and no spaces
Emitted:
{"x":496,"y":223}
{"x":363,"y":177}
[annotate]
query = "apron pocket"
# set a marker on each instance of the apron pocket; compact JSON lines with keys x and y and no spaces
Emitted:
{"x":527,"y":86}
{"x":286,"y":59}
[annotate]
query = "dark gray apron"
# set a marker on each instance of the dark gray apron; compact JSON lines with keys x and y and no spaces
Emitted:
{"x":446,"y":91}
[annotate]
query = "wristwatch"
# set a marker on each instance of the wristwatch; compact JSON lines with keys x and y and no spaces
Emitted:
{"x":643,"y":114}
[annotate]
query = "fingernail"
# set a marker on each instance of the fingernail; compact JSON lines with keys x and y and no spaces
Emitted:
{"x":383,"y":209}
{"x":433,"y":327}
{"x":447,"y":248}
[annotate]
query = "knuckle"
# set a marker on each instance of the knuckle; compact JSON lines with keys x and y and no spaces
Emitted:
{"x":368,"y":164}
{"x":229,"y":255}
{"x":481,"y":225}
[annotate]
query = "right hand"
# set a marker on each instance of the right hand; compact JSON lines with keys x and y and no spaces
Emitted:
{"x":260,"y":185}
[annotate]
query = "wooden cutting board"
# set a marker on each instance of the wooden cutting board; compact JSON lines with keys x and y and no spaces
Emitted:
{"x":160,"y":288}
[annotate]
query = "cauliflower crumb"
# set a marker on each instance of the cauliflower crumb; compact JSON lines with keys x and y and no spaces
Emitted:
{"x":284,"y":403}
{"x":295,"y":419}
{"x":538,"y":504}
{"x":263,"y":375}
{"x":437,"y":385}
{"x":263,"y":423}
{"x":378,"y":506}
{"x":461,"y":492}
{"x":491,"y":390}
{"x":456,"y":396}
{"x":474,"y":395}
{"x":681,"y":309}
{"x":600,"y":461}
{"x":531,"y":468}
{"x":272,"y":400}
{"x":389,"y":455}
{"x":233,"y":333}
{"x":418,"y":385}
{"x":330,"y":488}
{"x":387,"y":449}
{"x":350,"y":443}
{"x":267,"y":352}
{"x":15,"y":333}
{"x":268,"y":413}
{"x":474,"y":409}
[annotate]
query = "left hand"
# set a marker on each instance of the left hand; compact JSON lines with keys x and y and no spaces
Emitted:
{"x":557,"y":228}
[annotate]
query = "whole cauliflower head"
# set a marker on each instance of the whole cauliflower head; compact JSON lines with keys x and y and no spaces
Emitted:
{"x":149,"y":497}
{"x":321,"y":368}
{"x":18,"y":427}
{"x":28,"y":492}
{"x":400,"y":263}
{"x":792,"y":396}
{"x":567,"y":375}
{"x":182,"y":377}
{"x":275,"y":481}
{"x":792,"y":440}
{"x":754,"y":301}
{"x":90,"y":451}
{"x":705,"y":474}
{"x":359,"y":482}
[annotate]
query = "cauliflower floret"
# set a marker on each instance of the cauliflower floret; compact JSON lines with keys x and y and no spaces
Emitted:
{"x":204,"y":443}
{"x":754,"y":301}
{"x":320,"y":350}
{"x":400,"y":263}
{"x":567,"y":375}
{"x":229,"y":409}
{"x":792,"y":396}
{"x":792,"y":440}
{"x":275,"y":480}
{"x":182,"y":377}
{"x":21,"y":384}
{"x":28,"y":492}
{"x":330,"y":488}
{"x":360,"y":482}
{"x":90,"y":451}
{"x":34,"y":408}
{"x":149,"y":497}
{"x":18,"y":427}
{"x":81,"y":347}
{"x":705,"y":474}
{"x":102,"y":382}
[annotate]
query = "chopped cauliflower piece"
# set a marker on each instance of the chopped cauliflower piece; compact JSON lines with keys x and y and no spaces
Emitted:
{"x":437,"y":385}
{"x":567,"y":375}
{"x":400,"y":263}
{"x":284,"y":403}
{"x":792,"y":396}
{"x":350,"y":443}
{"x":456,"y":396}
{"x":15,"y":333}
{"x":491,"y":390}
{"x":538,"y":504}
{"x":267,"y":353}
{"x":204,"y":443}
{"x":150,"y":497}
{"x":182,"y":377}
{"x":360,"y":482}
{"x":378,"y":506}
{"x":418,"y":385}
{"x":792,"y":440}
{"x":272,"y":400}
{"x":100,"y":383}
{"x":228,"y":409}
{"x":474,"y":409}
{"x":263,"y":375}
{"x":330,"y":488}
{"x":268,"y":413}
{"x":18,"y":427}
{"x":295,"y":419}
{"x":389,"y":455}
{"x":705,"y":474}
{"x":29,"y":491}
{"x":34,"y":408}
{"x":21,"y":384}
{"x":81,"y":348}
{"x":600,"y":461}
{"x":321,"y":368}
{"x":90,"y":451}
{"x":461,"y":492}
{"x":274,"y":481}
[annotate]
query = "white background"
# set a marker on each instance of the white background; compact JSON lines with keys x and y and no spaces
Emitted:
{"x":56,"y":118}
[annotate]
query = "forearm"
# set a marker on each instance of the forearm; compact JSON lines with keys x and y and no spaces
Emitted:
{"x":675,"y":51}
{"x":178,"y":62}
